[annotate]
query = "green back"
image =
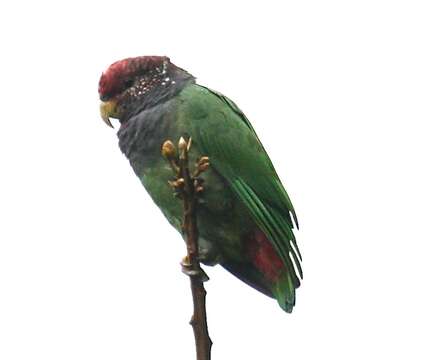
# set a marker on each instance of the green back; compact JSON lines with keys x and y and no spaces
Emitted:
{"x":223,"y":133}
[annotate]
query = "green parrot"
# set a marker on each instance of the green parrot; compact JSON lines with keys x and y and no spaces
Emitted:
{"x":245,"y":216}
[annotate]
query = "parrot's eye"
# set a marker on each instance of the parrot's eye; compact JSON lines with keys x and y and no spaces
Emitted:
{"x":128,"y":83}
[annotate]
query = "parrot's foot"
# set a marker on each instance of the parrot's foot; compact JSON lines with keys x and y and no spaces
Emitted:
{"x":209,"y":257}
{"x":188,"y":269}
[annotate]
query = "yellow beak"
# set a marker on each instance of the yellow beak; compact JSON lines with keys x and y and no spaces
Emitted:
{"x":107,"y":109}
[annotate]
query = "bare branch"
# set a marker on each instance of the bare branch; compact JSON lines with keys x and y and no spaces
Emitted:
{"x":189,"y":187}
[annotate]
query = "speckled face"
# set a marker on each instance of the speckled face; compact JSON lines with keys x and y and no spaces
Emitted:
{"x":143,"y":84}
{"x":123,"y":74}
{"x":133,"y":83}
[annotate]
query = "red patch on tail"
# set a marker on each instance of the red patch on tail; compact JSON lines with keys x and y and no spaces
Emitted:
{"x":264,"y":256}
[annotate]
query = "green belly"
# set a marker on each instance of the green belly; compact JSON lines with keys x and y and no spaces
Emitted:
{"x":221,"y":228}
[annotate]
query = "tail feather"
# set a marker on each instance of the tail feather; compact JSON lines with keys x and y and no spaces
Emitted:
{"x":246,"y":272}
{"x":268,"y":263}
{"x":285,"y":293}
{"x":280,"y":289}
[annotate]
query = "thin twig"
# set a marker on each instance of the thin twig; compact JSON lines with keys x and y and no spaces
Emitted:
{"x":188,"y":187}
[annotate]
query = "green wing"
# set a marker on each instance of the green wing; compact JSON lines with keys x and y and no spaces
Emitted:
{"x":226,"y":135}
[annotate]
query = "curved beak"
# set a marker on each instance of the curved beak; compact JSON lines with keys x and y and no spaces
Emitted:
{"x":107,"y":109}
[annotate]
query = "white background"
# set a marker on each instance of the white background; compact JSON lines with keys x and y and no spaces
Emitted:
{"x":339,"y":93}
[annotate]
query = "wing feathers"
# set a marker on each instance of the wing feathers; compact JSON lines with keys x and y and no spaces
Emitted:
{"x":226,"y":135}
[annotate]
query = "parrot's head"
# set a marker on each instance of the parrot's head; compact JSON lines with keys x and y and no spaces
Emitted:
{"x":133,"y":84}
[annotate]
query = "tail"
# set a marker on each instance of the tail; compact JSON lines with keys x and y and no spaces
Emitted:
{"x":285,"y":293}
{"x":279,"y":289}
{"x":263,"y":270}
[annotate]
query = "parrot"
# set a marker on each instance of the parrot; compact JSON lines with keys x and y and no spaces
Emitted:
{"x":245,"y":217}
